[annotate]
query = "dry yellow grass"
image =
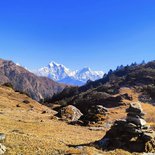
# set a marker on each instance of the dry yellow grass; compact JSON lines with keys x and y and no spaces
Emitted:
{"x":29,"y":132}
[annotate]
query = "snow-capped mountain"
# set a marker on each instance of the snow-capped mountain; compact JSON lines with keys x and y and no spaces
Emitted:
{"x":55,"y":71}
{"x":60,"y":73}
{"x":86,"y":74}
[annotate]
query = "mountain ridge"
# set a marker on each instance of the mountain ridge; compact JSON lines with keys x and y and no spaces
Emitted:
{"x":24,"y":81}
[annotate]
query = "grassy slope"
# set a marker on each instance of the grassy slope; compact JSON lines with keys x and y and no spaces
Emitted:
{"x":26,"y":133}
{"x":30,"y":132}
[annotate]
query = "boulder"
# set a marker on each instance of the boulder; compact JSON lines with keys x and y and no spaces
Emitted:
{"x":97,"y":109}
{"x":70,"y":113}
{"x":95,"y":116}
{"x":2,"y":149}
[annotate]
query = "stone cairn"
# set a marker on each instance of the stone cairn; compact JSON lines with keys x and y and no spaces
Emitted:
{"x":131,"y":134}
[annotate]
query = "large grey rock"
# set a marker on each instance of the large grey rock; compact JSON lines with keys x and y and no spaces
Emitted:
{"x":97,"y":109}
{"x":70,"y":113}
{"x":2,"y":149}
{"x":96,"y":115}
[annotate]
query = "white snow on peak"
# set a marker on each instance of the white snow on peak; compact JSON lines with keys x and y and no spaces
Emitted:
{"x":60,"y":73}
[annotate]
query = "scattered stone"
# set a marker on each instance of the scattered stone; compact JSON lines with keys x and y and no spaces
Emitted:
{"x":48,"y":111}
{"x":44,"y":112}
{"x":96,"y":128}
{"x":79,"y":147}
{"x":26,"y":101}
{"x":54,"y":117}
{"x":31,"y":108}
{"x":131,"y":134}
{"x":18,"y":105}
{"x":70,"y":113}
{"x":2,"y":149}
{"x":2,"y":136}
{"x":17,"y":131}
{"x":77,"y":123}
{"x":107,"y":125}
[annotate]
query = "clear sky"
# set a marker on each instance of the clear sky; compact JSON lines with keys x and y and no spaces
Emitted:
{"x":100,"y":34}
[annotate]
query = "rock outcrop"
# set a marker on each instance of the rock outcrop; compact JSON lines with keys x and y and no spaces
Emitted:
{"x":70,"y":113}
{"x":132,"y":134}
{"x":95,"y":116}
{"x":97,"y":109}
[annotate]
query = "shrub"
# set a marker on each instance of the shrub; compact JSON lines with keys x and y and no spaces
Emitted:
{"x":26,"y":101}
{"x":8,"y":85}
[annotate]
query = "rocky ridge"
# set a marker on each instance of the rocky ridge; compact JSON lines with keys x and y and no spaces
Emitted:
{"x":26,"y":82}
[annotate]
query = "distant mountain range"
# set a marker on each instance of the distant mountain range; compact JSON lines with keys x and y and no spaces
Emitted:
{"x":62,"y":74}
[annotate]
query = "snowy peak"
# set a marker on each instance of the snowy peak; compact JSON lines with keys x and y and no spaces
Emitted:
{"x":60,"y":73}
{"x":56,"y":65}
{"x":54,"y":71}
{"x":86,"y":74}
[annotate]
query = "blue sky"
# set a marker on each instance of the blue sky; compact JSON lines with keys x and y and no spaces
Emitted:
{"x":101,"y":34}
